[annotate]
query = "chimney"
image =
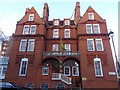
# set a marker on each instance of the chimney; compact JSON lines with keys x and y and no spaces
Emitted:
{"x":27,"y":10}
{"x":45,"y":12}
{"x":77,"y":13}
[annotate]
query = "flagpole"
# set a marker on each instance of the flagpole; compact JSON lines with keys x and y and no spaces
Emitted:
{"x":60,"y":44}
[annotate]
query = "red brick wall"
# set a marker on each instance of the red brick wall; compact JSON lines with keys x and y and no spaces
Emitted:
{"x":78,"y":42}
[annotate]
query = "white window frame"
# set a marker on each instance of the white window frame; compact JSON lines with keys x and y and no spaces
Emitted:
{"x":43,"y":68}
{"x":1,"y":72}
{"x":67,"y":22}
{"x":55,"y":47}
{"x":92,"y":44}
{"x":98,"y":60}
{"x":87,"y":30}
{"x":101,"y":42}
{"x":67,"y":47}
{"x":91,"y":17}
{"x":69,"y":70}
{"x":98,"y":28}
{"x":31,"y":17}
{"x":26,"y":32}
{"x":21,"y":66}
{"x":29,"y":43}
{"x":67,"y":33}
{"x":77,"y":68}
{"x":20,"y":47}
{"x":3,"y":52}
{"x":0,"y":45}
{"x":55,"y":33}
{"x":56,"y":22}
{"x":4,"y":48}
{"x":34,"y":30}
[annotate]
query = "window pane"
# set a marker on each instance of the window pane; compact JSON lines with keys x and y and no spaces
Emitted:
{"x":23,"y":67}
{"x":89,"y":29}
{"x":56,"y":22}
{"x":26,"y":29}
{"x":67,"y":33}
{"x":4,"y":71}
{"x":67,"y":47}
{"x":99,"y":45}
{"x":31,"y":17}
{"x":98,"y":67}
{"x":55,"y":47}
{"x":67,"y":71}
{"x":23,"y":45}
{"x":23,"y":70}
{"x":75,"y":71}
{"x":90,"y":45}
{"x":67,"y":22}
{"x":60,"y":87}
{"x":55,"y":33}
{"x":96,"y":28}
{"x":44,"y":86}
{"x":44,"y":70}
{"x":32,"y":29}
{"x":31,"y":45}
{"x":0,"y":70}
{"x":91,"y":16}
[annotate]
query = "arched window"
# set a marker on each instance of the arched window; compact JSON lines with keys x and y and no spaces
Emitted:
{"x":98,"y":67}
{"x":44,"y":86}
{"x":23,"y":67}
{"x":60,"y":87}
{"x":30,"y":85}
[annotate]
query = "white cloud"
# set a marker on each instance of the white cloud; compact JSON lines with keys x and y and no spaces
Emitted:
{"x":8,"y":23}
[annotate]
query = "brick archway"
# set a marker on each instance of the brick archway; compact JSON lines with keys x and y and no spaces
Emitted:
{"x":52,"y":62}
{"x":71,"y":68}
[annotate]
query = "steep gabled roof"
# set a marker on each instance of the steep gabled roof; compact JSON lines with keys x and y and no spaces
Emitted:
{"x":97,"y":17}
{"x":25,"y":18}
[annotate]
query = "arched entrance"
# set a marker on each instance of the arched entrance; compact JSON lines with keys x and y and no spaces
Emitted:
{"x":71,"y":68}
{"x":54,"y":63}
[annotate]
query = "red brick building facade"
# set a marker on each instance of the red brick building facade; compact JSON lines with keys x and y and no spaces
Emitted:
{"x":61,"y":53}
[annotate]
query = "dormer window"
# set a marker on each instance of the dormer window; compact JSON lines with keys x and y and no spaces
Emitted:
{"x":56,"y":22}
{"x":91,"y":16}
{"x":67,"y":22}
{"x":31,"y":17}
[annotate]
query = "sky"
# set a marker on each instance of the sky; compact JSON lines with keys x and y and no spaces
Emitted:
{"x":13,"y":10}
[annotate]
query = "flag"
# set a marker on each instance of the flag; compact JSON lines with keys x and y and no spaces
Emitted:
{"x":62,"y":45}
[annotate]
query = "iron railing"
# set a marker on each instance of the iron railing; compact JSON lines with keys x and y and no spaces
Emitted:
{"x":60,"y":53}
